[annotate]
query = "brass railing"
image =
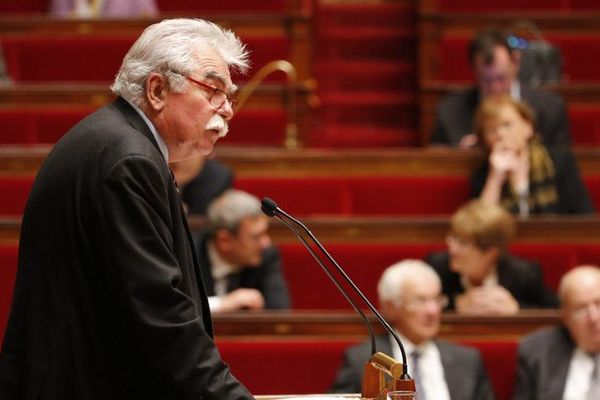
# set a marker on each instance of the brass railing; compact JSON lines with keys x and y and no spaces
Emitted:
{"x":292,"y":140}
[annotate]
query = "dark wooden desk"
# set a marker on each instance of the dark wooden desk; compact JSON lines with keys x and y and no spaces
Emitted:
{"x":348,"y":325}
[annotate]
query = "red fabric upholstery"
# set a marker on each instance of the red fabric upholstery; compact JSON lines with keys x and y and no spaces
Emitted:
{"x":301,"y":195}
{"x":85,"y":58}
{"x":311,"y":289}
{"x":554,"y":258}
{"x":17,"y":127}
{"x":15,"y":191}
{"x":257,"y":127}
{"x":8,"y":273}
{"x":500,"y":360}
{"x":409,"y":195}
{"x":592,"y":184}
{"x":284,"y":367}
{"x":45,"y":125}
{"x":38,"y":125}
{"x":304,"y":366}
{"x":362,"y":195}
{"x":365,"y":262}
{"x":65,"y":58}
{"x":585,"y":124}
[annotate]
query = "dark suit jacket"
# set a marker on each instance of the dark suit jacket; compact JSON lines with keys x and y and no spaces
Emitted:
{"x":543,"y":363}
{"x":463,"y":369}
{"x":214,"y":179}
{"x":266,"y":278}
{"x":521,"y":278}
{"x":573,"y":197}
{"x":454,"y":116}
{"x":108,"y":304}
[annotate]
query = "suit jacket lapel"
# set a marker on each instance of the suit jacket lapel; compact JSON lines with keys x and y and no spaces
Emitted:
{"x":452,"y":372}
{"x":560,"y":360}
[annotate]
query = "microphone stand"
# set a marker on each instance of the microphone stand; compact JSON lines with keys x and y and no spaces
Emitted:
{"x":373,"y":384}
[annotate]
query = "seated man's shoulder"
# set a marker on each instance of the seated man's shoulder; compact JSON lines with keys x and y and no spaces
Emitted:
{"x":459,"y":98}
{"x":542,"y":97}
{"x":541,"y":338}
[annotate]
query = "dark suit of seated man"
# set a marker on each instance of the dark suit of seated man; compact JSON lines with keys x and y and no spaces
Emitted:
{"x":495,"y":67}
{"x":563,"y":362}
{"x":478,"y":275}
{"x":411,"y":299}
{"x":238,"y":264}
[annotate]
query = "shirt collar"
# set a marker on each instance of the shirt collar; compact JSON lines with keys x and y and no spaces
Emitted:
{"x":515,"y":90}
{"x":161,"y":143}
{"x":409,"y":346}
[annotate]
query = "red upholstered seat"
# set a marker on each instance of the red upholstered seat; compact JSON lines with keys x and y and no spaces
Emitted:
{"x":585,"y":124}
{"x":500,"y":360}
{"x":84,"y":58}
{"x":8,"y":273}
{"x":396,"y":195}
{"x":310,"y":288}
{"x":305,"y":366}
{"x":47,"y":124}
{"x":15,"y":191}
{"x":284,"y":367}
{"x":39,"y":125}
{"x":554,"y":258}
{"x":35,"y":58}
{"x":257,"y":127}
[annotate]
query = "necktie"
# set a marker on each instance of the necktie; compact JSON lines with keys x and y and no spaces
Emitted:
{"x":594,"y":390}
{"x":416,"y":374}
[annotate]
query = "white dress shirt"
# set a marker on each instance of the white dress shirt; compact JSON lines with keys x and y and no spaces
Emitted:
{"x":431,"y":370}
{"x":220,"y":268}
{"x":578,"y":376}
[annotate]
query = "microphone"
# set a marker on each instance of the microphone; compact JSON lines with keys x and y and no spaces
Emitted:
{"x":270,"y":208}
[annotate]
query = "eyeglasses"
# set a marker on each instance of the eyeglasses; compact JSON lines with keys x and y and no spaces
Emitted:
{"x":582,"y":312}
{"x":217,"y":96}
{"x":419,"y":303}
{"x":454,"y":240}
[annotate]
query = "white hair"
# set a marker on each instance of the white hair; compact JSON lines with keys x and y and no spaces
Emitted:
{"x":394,"y":277}
{"x":228,"y":210}
{"x":169,"y":47}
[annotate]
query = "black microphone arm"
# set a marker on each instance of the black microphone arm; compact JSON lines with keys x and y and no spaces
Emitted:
{"x":270,"y":208}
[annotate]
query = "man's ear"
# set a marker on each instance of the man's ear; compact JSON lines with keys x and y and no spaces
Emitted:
{"x":223,"y":240}
{"x":389,"y":310}
{"x":156,"y":91}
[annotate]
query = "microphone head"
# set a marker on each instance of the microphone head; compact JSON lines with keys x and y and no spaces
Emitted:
{"x":268,"y":206}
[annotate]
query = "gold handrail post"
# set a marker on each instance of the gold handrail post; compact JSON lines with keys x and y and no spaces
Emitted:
{"x":292,"y":140}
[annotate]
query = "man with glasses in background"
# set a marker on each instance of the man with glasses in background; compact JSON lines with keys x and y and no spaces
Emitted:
{"x":563,"y":362}
{"x":410,"y":298}
{"x":108,"y":302}
{"x":478,"y":274}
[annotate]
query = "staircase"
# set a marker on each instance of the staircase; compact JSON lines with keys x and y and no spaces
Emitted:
{"x":365,"y":63}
